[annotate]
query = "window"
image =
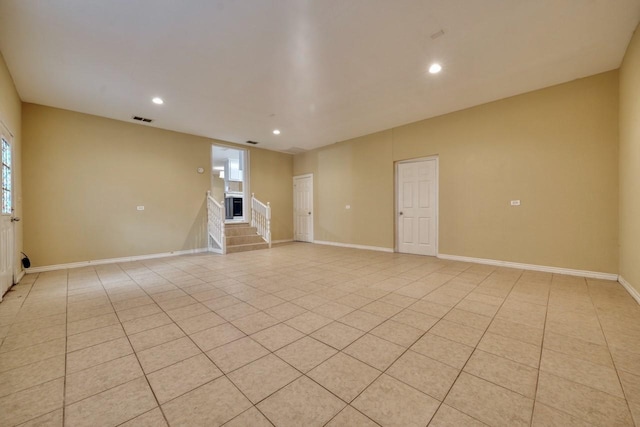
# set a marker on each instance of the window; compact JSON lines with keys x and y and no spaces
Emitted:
{"x":6,"y":178}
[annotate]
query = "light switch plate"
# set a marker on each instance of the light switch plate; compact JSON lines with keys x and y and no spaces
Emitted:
{"x":140,"y":208}
{"x":515,"y":203}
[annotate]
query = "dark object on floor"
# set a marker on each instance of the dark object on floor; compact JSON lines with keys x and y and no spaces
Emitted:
{"x":25,"y":260}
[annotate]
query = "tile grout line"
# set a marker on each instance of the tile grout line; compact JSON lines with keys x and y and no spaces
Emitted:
{"x":615,"y":365}
{"x":64,"y":375}
{"x":54,"y":379}
{"x":365,"y":332}
{"x":224,"y":374}
{"x":90,"y":299}
{"x":580,"y":384}
{"x":253,"y":405}
{"x":476,"y":346}
{"x":195,"y":344}
{"x":66,"y":346}
{"x":270,"y":352}
{"x":13,"y":322}
{"x":134,"y":352}
{"x":245,"y":279}
{"x":544,"y":329}
{"x":67,"y":293}
{"x":65,"y":357}
{"x":383,"y":372}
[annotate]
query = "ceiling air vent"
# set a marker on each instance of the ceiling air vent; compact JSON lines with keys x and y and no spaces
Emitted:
{"x":142,"y":119}
{"x":252,"y":142}
{"x":295,"y":150}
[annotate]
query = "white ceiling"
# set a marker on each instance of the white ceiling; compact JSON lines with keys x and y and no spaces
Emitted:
{"x":321,"y":71}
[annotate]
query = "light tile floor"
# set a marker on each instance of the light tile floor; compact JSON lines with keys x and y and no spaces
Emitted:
{"x":307,"y":335}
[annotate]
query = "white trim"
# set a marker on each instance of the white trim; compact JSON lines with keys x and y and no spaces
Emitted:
{"x":435,"y":157}
{"x":114,"y":260}
{"x":13,"y":256}
{"x":4,"y":125}
{"x":246,"y":178}
{"x":313,"y":214}
{"x":544,"y":268}
{"x":246,"y":187}
{"x":349,"y":245}
{"x":632,"y":291}
{"x":20,"y":276}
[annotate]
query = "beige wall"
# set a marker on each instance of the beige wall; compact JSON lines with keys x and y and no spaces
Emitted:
{"x":555,"y":149}
{"x":11,"y":115}
{"x":272,"y":182}
{"x":358,"y":173}
{"x":85,"y":175}
{"x":217,"y":187}
{"x":630,"y":164}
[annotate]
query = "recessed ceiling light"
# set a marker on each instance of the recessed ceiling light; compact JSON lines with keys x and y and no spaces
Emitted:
{"x":157,"y":100}
{"x":435,"y":68}
{"x":276,"y":132}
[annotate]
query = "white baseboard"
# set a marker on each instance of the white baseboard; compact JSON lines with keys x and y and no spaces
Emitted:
{"x":216,"y":250}
{"x":544,"y":268}
{"x":348,"y":245}
{"x":113,"y":260}
{"x":20,"y":276}
{"x":273,"y":242}
{"x":632,"y":291}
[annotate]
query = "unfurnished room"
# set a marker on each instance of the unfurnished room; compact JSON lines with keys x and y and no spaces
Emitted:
{"x":333,"y":213}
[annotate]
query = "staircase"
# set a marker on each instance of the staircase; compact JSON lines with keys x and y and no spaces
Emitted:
{"x":238,"y":237}
{"x":241,"y":237}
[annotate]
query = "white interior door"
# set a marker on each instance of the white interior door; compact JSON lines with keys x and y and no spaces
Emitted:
{"x":303,"y":208}
{"x":417,"y":187}
{"x":7,"y":246}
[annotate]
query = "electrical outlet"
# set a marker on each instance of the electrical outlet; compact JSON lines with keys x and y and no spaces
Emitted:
{"x":348,"y":207}
{"x":515,"y":203}
{"x":140,"y":208}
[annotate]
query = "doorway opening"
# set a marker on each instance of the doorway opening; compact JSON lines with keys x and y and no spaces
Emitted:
{"x":230,"y":181}
{"x":417,"y":206}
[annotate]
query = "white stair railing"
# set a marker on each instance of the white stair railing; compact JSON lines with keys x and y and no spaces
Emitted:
{"x":215,"y":225}
{"x":261,"y":218}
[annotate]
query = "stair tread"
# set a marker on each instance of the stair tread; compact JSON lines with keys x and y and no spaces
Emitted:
{"x":247,"y":247}
{"x":237,"y":225}
{"x":248,"y":244}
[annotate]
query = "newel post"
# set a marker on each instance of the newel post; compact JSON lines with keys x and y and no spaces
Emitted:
{"x":269,"y":223}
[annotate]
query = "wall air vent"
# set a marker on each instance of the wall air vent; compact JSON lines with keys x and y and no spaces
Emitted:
{"x":252,"y":142}
{"x":142,"y":119}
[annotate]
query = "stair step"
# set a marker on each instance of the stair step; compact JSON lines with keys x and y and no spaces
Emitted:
{"x":243,"y":240}
{"x":236,"y":224}
{"x":240,"y":231}
{"x":247,"y":247}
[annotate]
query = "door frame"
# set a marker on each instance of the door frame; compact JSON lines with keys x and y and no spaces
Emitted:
{"x":6,"y":134}
{"x":396,"y":207}
{"x":311,"y":234}
{"x":246,"y":181}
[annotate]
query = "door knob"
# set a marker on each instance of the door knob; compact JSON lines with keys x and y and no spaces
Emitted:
{"x":309,"y":213}
{"x":15,"y":219}
{"x":400,"y":213}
